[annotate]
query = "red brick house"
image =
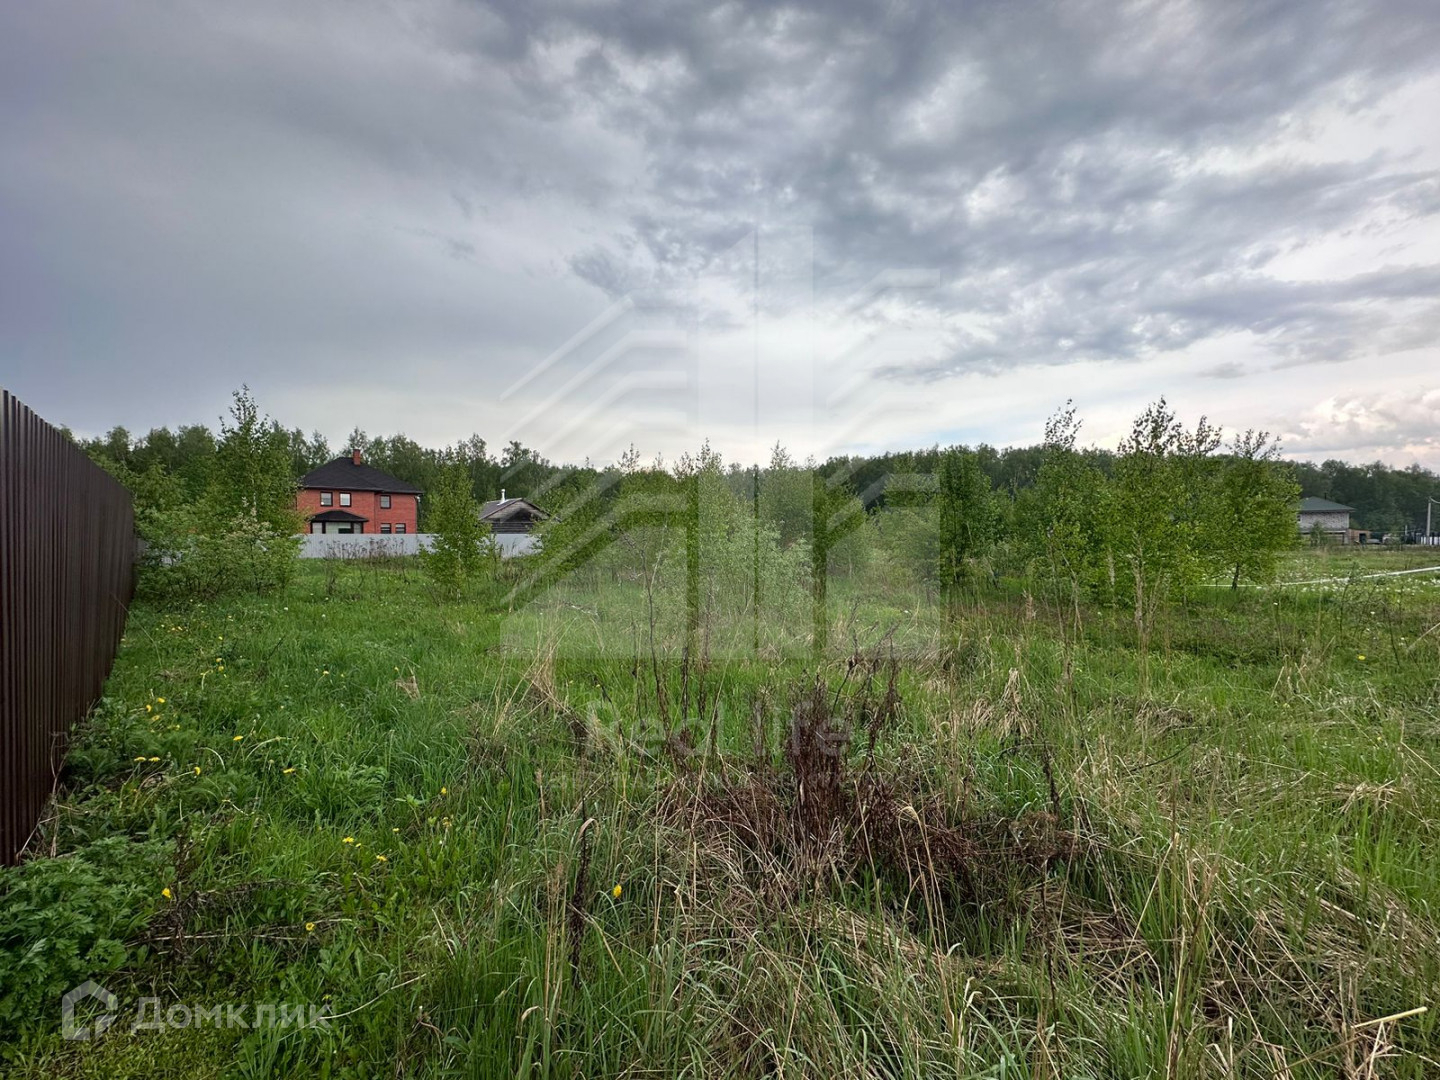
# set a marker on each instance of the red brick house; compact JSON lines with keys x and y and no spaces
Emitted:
{"x":348,"y":496}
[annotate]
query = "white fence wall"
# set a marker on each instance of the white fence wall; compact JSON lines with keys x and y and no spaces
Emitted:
{"x":370,"y":545}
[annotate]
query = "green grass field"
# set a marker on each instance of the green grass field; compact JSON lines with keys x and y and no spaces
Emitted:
{"x":517,"y":843}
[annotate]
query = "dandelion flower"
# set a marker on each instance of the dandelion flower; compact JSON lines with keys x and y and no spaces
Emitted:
{"x":165,"y":892}
{"x":381,"y":858}
{"x":396,"y":829}
{"x":160,"y":701}
{"x":309,"y":927}
{"x":140,"y":758}
{"x":237,"y":738}
{"x":348,"y":840}
{"x":154,"y":759}
{"x":615,"y":892}
{"x":1360,"y":656}
{"x":288,"y":771}
{"x":325,"y":672}
{"x":149,"y":708}
{"x":444,"y":791}
{"x":197,"y":770}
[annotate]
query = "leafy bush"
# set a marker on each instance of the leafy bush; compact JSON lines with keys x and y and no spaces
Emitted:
{"x":245,"y":554}
{"x":68,"y":919}
{"x":242,"y":535}
{"x":460,"y":539}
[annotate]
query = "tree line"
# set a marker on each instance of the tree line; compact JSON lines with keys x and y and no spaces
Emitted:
{"x":1386,"y":499}
{"x":1169,"y":506}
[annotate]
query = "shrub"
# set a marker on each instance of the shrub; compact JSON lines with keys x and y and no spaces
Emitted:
{"x":65,"y":920}
{"x":245,"y":554}
{"x":459,"y":538}
{"x":242,"y":535}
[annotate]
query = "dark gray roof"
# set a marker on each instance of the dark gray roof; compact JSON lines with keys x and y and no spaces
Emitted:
{"x":343,"y":474}
{"x":338,"y":515}
{"x":1313,"y":505}
{"x":500,"y":509}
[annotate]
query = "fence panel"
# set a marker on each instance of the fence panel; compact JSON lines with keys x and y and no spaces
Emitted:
{"x":375,"y":545}
{"x":67,"y":573}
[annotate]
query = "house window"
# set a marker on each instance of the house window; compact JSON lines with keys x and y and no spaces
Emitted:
{"x":384,"y":502}
{"x":400,"y":527}
{"x":385,"y":528}
{"x":327,"y":498}
{"x":344,"y":498}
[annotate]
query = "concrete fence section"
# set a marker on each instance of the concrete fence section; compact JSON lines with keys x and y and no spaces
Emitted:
{"x":379,"y":545}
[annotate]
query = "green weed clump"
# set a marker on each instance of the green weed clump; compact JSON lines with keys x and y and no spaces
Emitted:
{"x":65,"y":920}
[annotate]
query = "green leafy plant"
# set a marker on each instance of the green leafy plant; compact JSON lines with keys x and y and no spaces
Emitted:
{"x":66,"y":920}
{"x":459,"y":538}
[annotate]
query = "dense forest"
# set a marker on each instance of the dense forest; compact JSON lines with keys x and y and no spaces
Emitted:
{"x":1386,"y":499}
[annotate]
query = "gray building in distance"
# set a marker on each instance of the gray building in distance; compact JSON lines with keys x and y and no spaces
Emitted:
{"x":1332,"y":517}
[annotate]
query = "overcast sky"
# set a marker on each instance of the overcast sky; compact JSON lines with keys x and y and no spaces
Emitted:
{"x":842,"y":225}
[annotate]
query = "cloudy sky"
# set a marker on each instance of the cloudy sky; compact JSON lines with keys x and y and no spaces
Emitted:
{"x":842,"y":225}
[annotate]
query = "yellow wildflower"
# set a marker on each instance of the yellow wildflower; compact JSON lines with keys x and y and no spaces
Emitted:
{"x":140,"y":758}
{"x":154,"y":759}
{"x":444,"y":791}
{"x":165,"y":892}
{"x":348,"y":840}
{"x":309,"y":927}
{"x":615,"y":892}
{"x":197,"y":770}
{"x":288,"y":771}
{"x":381,"y":858}
{"x":396,"y":829}
{"x":1360,"y":656}
{"x":160,"y":701}
{"x":237,"y":738}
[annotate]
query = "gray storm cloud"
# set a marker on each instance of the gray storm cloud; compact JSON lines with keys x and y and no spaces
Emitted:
{"x":380,"y":215}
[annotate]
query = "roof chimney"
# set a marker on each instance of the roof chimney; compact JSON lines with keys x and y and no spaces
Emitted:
{"x":355,"y":456}
{"x":502,"y":494}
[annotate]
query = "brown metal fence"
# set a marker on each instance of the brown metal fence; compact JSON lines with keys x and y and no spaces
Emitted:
{"x":67,"y":572}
